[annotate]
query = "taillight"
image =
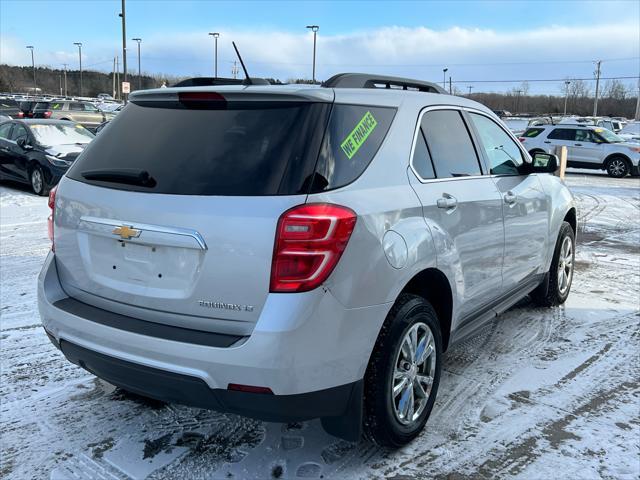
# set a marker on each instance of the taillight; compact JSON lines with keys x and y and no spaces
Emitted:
{"x":47,"y":114}
{"x":309,"y":242}
{"x":20,"y":114}
{"x":52,"y":206}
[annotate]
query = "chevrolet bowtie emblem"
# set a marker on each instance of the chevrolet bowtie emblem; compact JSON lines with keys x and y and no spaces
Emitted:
{"x":126,"y":232}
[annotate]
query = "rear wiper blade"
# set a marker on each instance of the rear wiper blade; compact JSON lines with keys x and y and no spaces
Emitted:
{"x":127,"y":176}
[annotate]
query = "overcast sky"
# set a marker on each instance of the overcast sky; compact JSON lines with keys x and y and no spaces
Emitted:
{"x":479,"y":42}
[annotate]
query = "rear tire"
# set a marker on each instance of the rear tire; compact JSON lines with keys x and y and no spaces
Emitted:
{"x":407,"y":358}
{"x":556,"y":286}
{"x":37,"y":180}
{"x":617,"y":167}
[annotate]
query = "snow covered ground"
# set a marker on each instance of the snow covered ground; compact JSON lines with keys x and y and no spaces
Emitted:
{"x":539,"y":394}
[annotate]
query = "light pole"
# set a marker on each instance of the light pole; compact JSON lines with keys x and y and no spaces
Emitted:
{"x":518,"y":92}
{"x":566,"y":95}
{"x":65,"y":79}
{"x":215,"y":36}
{"x":444,"y":77}
{"x":33,"y":65}
{"x":314,"y":29}
{"x":124,"y":46}
{"x":79,"y":45}
{"x":139,"y":40}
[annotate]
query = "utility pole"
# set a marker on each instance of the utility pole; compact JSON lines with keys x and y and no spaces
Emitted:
{"x":234,"y":69}
{"x":33,"y":64}
{"x":566,"y":95}
{"x":518,"y":92}
{"x":79,"y":45}
{"x":595,"y":102}
{"x":124,"y":45}
{"x":314,"y":29}
{"x":139,"y":40}
{"x":65,"y":79}
{"x":470,"y":87}
{"x":450,"y":87}
{"x":215,"y":36}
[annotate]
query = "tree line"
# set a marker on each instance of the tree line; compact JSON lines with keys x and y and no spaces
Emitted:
{"x":615,"y":98}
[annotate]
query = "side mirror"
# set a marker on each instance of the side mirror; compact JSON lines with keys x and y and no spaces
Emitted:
{"x":544,"y":163}
{"x":22,"y":143}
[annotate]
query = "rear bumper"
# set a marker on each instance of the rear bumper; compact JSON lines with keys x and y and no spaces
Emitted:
{"x":307,"y":348}
{"x":177,"y":388}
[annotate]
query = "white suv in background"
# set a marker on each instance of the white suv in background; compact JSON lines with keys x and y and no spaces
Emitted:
{"x":588,"y":147}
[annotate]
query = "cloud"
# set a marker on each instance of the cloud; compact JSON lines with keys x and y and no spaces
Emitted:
{"x":470,"y":54}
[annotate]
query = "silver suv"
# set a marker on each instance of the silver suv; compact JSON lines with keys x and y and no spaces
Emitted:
{"x":295,"y":252}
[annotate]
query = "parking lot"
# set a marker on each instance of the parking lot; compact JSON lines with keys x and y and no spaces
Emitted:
{"x":540,"y":393}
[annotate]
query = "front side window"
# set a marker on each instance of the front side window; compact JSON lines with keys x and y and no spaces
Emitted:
{"x":502,"y":152}
{"x":89,"y":108}
{"x":449,"y":144}
{"x":568,"y":134}
{"x":19,"y":133}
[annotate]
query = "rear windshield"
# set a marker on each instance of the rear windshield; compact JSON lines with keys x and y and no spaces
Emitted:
{"x":41,"y":106}
{"x":245,"y":149}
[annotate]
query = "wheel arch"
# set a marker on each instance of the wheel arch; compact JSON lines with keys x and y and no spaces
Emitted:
{"x":572,"y":218}
{"x":433,"y":286}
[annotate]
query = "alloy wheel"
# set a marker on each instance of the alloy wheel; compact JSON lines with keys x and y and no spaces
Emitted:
{"x":565,"y":265}
{"x":413,"y":374}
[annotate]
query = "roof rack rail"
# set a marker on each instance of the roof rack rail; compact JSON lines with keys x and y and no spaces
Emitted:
{"x":366,"y":80}
{"x":209,"y":81}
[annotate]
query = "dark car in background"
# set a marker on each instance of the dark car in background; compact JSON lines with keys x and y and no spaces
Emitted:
{"x":9,"y":107}
{"x":26,"y":108}
{"x":39,"y":152}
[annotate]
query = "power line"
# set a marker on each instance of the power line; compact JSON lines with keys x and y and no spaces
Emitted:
{"x":546,"y":80}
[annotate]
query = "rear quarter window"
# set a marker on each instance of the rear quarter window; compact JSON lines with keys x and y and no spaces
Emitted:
{"x":352,"y":139}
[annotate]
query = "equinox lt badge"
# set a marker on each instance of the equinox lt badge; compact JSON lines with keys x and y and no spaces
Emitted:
{"x":225,"y":306}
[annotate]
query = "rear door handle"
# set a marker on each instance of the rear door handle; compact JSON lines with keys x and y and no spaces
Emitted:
{"x":547,"y":141}
{"x":447,"y":201}
{"x":510,"y":198}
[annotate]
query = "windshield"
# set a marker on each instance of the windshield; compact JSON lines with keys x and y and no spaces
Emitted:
{"x":631,"y":128}
{"x":608,"y":135}
{"x":50,"y":134}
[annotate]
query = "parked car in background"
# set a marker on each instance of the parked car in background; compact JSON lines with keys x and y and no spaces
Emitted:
{"x":288,"y":253}
{"x":104,"y":96}
{"x":516,"y":124}
{"x":82,"y":112}
{"x":617,"y":125}
{"x":630,"y":132}
{"x":602,"y":122}
{"x":39,"y":152}
{"x":587,"y":147}
{"x":9,"y":107}
{"x":26,"y":108}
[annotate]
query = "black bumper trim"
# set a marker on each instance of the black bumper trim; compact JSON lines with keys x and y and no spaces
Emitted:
{"x":178,"y":388}
{"x":143,"y":327}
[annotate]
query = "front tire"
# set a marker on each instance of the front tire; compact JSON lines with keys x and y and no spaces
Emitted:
{"x":555,"y":288}
{"x":38,"y":183}
{"x":403,"y":375}
{"x":617,"y":167}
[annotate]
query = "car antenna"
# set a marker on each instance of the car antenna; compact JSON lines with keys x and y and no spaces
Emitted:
{"x":247,"y":80}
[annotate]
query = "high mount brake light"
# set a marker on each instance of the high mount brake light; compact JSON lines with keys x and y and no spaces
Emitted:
{"x":186,"y":97}
{"x":310,"y":240}
{"x":52,"y":206}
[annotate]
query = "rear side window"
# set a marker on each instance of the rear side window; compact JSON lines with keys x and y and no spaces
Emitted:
{"x":5,"y":129}
{"x":78,"y":107}
{"x":245,"y":149}
{"x":533,"y":132}
{"x":19,"y":133}
{"x":422,"y":162}
{"x":449,"y":144}
{"x":353,"y":137}
{"x":563,"y":134}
